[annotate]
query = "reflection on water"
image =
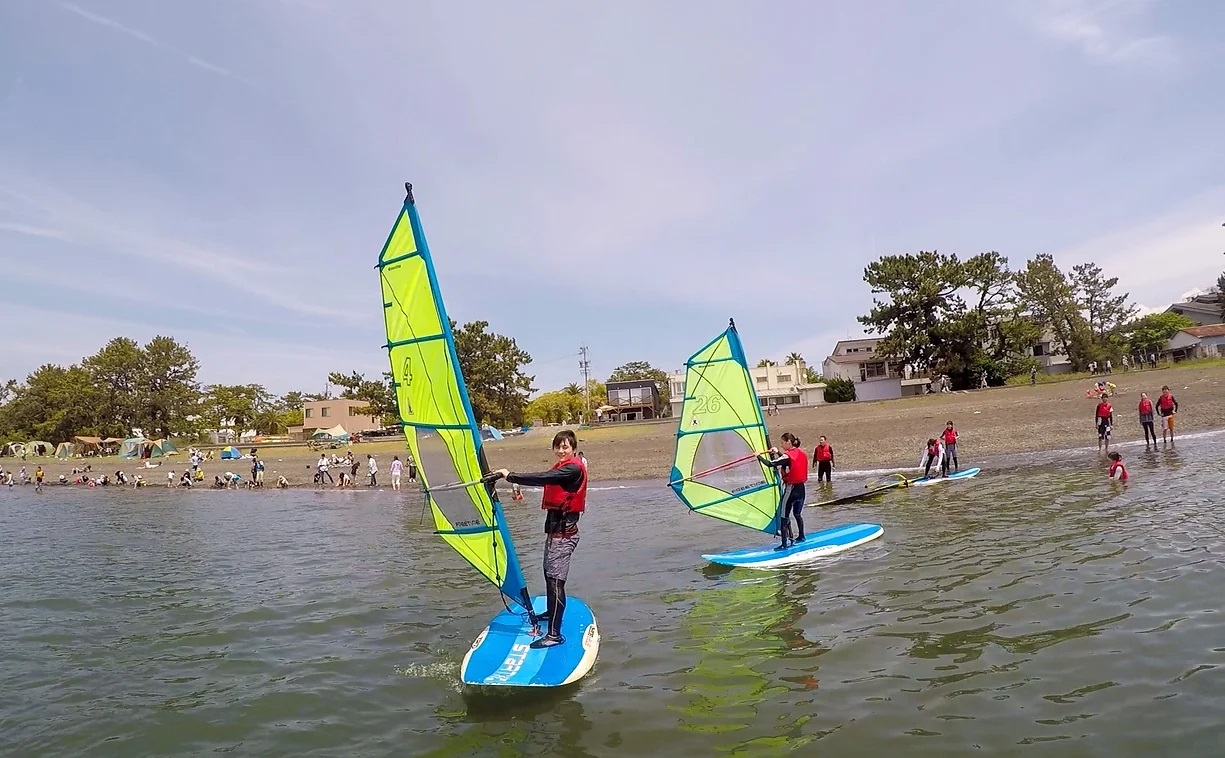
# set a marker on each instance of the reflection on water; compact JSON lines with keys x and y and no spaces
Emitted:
{"x":1040,"y":604}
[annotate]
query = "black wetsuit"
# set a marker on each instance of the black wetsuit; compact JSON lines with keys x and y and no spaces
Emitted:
{"x":561,"y":538}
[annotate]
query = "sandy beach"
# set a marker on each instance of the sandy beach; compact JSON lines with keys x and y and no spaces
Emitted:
{"x":885,"y":434}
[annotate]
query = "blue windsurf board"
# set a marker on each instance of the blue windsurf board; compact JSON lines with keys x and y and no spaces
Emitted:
{"x":502,"y":655}
{"x":816,"y":545}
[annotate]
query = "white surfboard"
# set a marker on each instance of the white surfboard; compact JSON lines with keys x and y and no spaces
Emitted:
{"x":816,"y":545}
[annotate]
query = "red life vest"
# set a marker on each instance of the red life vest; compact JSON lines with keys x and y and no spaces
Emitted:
{"x":557,"y":499}
{"x":797,"y":470}
{"x":1104,"y":410}
{"x":1166,"y":403}
{"x":1146,"y":406}
{"x":1115,"y":468}
{"x":933,"y":450}
{"x":950,"y":436}
{"x":823,"y":452}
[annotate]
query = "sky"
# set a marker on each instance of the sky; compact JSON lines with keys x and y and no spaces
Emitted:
{"x":623,"y":176}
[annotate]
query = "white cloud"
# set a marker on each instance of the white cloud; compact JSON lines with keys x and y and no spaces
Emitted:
{"x":148,"y":40}
{"x":1160,"y":258}
{"x":1105,"y":30}
{"x":56,"y":214}
{"x":32,"y":231}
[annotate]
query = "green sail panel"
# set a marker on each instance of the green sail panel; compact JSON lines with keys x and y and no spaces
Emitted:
{"x":715,"y":470}
{"x":435,"y":410}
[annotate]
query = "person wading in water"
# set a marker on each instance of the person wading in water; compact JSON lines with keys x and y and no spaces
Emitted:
{"x":1146,"y":418}
{"x":564,"y":500}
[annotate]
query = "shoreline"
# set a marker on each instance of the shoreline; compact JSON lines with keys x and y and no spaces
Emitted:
{"x":872,"y":437}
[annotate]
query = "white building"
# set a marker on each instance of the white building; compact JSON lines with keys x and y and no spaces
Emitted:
{"x":1051,"y":362}
{"x":676,"y":392}
{"x":1197,"y":342}
{"x":875,"y":377}
{"x":786,"y":385}
{"x":780,"y":386}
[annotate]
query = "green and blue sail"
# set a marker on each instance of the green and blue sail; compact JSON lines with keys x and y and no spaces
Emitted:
{"x":435,"y":411}
{"x":721,"y":432}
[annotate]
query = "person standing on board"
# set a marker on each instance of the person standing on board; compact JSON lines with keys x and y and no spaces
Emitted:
{"x":794,"y":464}
{"x":949,"y":436}
{"x":1118,"y":471}
{"x":823,"y":454}
{"x":563,"y":501}
{"x":397,"y":467}
{"x":1104,"y":415}
{"x":1167,"y":406}
{"x":1146,"y":418}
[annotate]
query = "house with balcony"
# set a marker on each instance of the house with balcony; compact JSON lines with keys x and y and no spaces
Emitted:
{"x":676,"y":392}
{"x":633,"y":400}
{"x":875,"y":377}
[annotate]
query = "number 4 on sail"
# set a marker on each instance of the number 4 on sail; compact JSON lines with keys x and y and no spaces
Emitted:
{"x":442,"y":434}
{"x":716,"y":470}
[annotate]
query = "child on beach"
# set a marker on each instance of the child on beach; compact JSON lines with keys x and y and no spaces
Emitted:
{"x":1104,"y":415}
{"x":1118,"y":471}
{"x":397,"y":467}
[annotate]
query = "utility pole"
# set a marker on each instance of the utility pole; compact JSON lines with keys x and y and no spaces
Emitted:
{"x":585,"y":366}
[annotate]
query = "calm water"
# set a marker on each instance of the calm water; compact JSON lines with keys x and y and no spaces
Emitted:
{"x":1038,"y":609}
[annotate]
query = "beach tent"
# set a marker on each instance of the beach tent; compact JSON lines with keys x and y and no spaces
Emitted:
{"x":86,"y":445}
{"x":14,"y":449}
{"x":489,"y":433}
{"x":337,"y":433}
{"x":64,"y":450}
{"x":230,"y":453}
{"x":162,"y":447}
{"x":39,"y":448}
{"x":131,"y":447}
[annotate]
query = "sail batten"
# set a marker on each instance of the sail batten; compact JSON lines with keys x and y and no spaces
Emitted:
{"x":436,"y":413}
{"x":715,"y":470}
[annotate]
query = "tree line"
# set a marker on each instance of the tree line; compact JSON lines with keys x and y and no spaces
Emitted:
{"x":155,"y":388}
{"x":977,"y":319}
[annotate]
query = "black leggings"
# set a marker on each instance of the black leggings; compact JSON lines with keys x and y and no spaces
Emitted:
{"x":793,"y":506}
{"x":1148,"y":431}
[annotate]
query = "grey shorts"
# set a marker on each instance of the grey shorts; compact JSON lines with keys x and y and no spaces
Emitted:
{"x":557,"y":552}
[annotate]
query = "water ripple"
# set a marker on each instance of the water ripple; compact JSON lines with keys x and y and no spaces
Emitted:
{"x":1043,"y":606}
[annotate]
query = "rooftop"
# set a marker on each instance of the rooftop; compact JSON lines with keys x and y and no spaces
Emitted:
{"x":1212,"y":330}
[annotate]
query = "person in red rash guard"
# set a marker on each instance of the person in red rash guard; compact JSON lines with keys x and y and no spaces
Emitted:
{"x":823,"y":455}
{"x":564,"y":500}
{"x":949,"y":436}
{"x":794,"y":463}
{"x":1105,"y":419}
{"x":1146,"y":418}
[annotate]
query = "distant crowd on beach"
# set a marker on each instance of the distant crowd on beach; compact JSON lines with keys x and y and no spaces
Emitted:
{"x":348,"y":465}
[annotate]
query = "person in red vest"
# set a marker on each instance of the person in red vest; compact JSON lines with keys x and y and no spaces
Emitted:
{"x":1105,"y":419}
{"x":1146,"y":418}
{"x":1118,"y":471}
{"x":564,"y":500}
{"x":794,"y":464}
{"x":949,"y":436}
{"x":823,"y":454}
{"x":1167,"y":406}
